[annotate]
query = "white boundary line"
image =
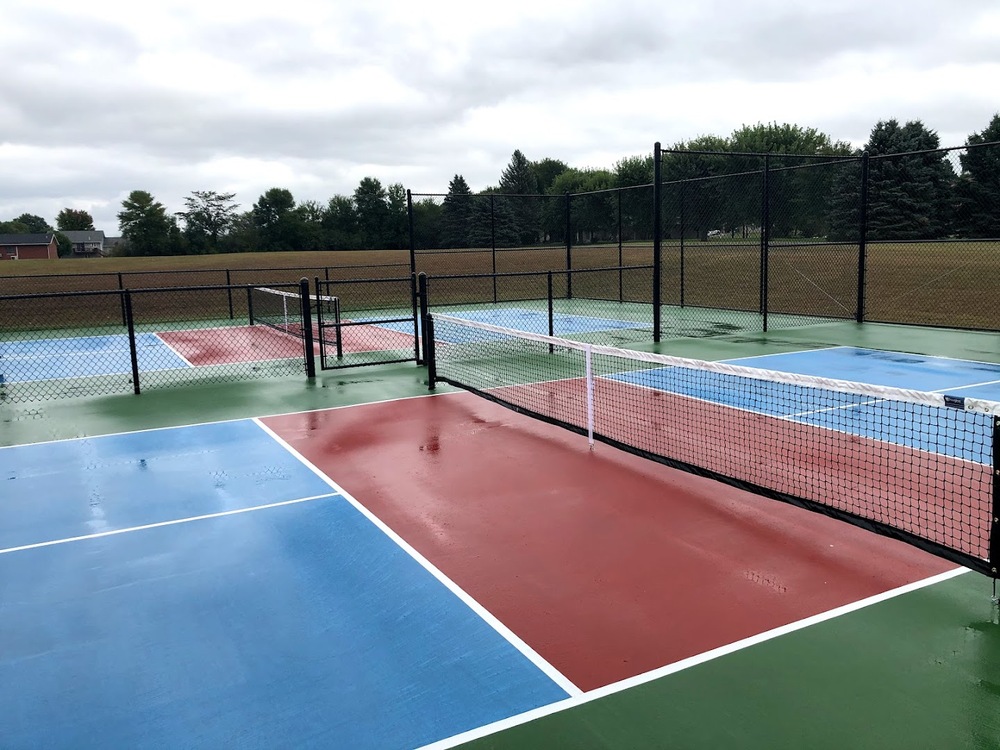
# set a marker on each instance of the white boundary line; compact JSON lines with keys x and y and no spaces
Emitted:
{"x":160,"y":524}
{"x":183,"y":359}
{"x":683,"y":664}
{"x":529,"y":653}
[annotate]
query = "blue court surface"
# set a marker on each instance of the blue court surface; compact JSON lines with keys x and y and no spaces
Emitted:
{"x":942,"y":431}
{"x":54,"y":359}
{"x":201,"y":586}
{"x":529,"y":321}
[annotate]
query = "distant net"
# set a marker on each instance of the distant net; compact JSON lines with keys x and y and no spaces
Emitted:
{"x":912,"y":465}
{"x":282,"y":310}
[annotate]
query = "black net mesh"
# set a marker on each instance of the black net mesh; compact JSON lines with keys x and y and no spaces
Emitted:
{"x":913,"y":465}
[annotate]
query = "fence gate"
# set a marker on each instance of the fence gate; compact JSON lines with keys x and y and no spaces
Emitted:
{"x":366,"y":322}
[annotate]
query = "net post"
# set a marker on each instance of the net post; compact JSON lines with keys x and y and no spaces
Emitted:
{"x":319,"y":324}
{"x":657,"y":242}
{"x":229,"y":292}
{"x":621,"y":264}
{"x":422,"y":294}
{"x":995,"y":514}
{"x":430,"y":354}
{"x":589,"y":356}
{"x":250,"y":304}
{"x":337,"y":328}
{"x":307,"y":328}
{"x":552,"y":317}
{"x":132,"y":347}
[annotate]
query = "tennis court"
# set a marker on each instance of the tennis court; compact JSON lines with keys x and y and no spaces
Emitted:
{"x":377,"y":567}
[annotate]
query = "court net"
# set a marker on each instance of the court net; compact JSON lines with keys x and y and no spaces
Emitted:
{"x":282,"y":310}
{"x":914,"y":466}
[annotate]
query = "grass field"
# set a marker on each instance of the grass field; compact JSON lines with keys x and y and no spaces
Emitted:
{"x":946,"y":284}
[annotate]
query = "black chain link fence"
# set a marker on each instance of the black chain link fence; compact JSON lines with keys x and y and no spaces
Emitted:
{"x":780,"y":240}
{"x":366,"y":321}
{"x":106,"y":342}
{"x":600,"y":305}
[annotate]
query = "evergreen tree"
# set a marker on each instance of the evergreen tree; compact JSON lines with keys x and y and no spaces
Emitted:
{"x":456,"y":214}
{"x":372,"y":213}
{"x":525,"y":211}
{"x":978,"y":188}
{"x":909,"y":194}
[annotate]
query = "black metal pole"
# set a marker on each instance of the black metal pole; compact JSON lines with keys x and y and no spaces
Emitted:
{"x":320,"y":325}
{"x":121,"y":285}
{"x":130,"y":325}
{"x":621,"y":274}
{"x":250,"y":305}
{"x":338,"y":336}
{"x":765,"y":239}
{"x":229,"y":293}
{"x":657,"y":241}
{"x":683,"y":217}
{"x":552,"y":317}
{"x":493,"y":244}
{"x":431,"y":354}
{"x":863,"y":238}
{"x":307,"y":328}
{"x":569,"y":249}
{"x":424,"y":310}
{"x":413,"y":277}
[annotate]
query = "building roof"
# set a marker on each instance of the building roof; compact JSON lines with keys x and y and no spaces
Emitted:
{"x":84,"y":236}
{"x":26,"y":239}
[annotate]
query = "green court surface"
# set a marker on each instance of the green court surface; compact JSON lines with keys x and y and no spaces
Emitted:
{"x":916,"y":668}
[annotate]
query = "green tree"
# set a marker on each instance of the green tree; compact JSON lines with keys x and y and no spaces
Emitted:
{"x":207,"y":219}
{"x":146,"y":227}
{"x":243,"y":235}
{"x":456,"y":214}
{"x":396,"y":233}
{"x":72,"y":219}
{"x":312,"y":234}
{"x":633,"y":172}
{"x":546,"y":172}
{"x":372,"y":213}
{"x":427,"y":224}
{"x":978,"y":188}
{"x":518,"y":178}
{"x":13,"y":227}
{"x":34,"y":224}
{"x":909,"y":183}
{"x":340,"y":223}
{"x":279,"y":227}
{"x":65,"y":247}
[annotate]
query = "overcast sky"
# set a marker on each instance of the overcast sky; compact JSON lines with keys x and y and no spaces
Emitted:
{"x":101,"y":98}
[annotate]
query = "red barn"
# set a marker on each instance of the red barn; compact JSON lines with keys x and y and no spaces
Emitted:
{"x":28,"y":247}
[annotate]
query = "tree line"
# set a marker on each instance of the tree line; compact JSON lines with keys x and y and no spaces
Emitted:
{"x":709,"y":184}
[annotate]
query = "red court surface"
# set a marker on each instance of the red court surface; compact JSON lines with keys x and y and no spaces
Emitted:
{"x":608,"y":565}
{"x":944,"y":499}
{"x":203,"y":347}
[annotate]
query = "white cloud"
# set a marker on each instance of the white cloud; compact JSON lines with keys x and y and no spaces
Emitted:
{"x":180,"y":95}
